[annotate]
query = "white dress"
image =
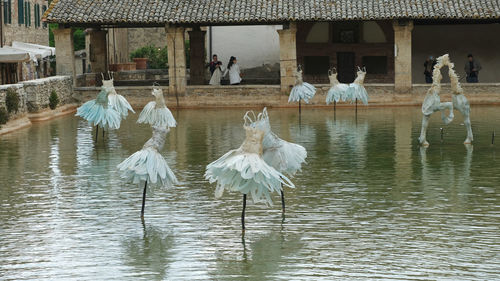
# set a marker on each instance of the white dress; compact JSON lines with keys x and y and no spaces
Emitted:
{"x":337,"y":90}
{"x":301,"y":90}
{"x":156,"y":112}
{"x":116,"y":101}
{"x":284,"y":156}
{"x":234,"y":74}
{"x":356,"y":90}
{"x":245,"y":170}
{"x":216,"y":76}
{"x":148,"y":164}
{"x":98,"y":112}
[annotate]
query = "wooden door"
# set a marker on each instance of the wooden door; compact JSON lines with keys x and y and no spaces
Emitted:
{"x":345,"y":67}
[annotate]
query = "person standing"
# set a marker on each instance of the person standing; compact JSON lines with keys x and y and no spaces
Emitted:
{"x":428,"y":68}
{"x":472,"y":68}
{"x":234,"y":71}
{"x":217,"y":75}
{"x":213,"y":64}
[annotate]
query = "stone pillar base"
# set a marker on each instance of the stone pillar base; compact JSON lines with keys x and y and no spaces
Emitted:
{"x":65,"y":59}
{"x":402,"y":59}
{"x":176,"y":60}
{"x":288,"y":57}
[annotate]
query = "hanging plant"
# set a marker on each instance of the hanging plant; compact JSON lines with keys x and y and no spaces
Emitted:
{"x":12,"y":101}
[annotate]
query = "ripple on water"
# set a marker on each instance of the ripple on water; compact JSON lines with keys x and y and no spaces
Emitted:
{"x":368,"y":205}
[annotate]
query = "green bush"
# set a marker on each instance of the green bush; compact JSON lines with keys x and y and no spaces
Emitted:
{"x":12,"y":101}
{"x":157,"y":57}
{"x":4,"y":115}
{"x":53,"y":100}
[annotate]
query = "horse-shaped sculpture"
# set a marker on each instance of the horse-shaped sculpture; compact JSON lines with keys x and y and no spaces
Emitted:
{"x":432,"y":102}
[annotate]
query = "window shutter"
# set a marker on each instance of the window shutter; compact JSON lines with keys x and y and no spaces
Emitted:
{"x":44,"y":8}
{"x":20,"y":11}
{"x":29,"y":14}
{"x":5,"y":12}
{"x":10,"y":11}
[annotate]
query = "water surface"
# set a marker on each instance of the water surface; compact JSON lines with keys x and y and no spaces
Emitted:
{"x":370,"y":204}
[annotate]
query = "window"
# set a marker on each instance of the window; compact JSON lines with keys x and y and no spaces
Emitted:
{"x":346,"y":32}
{"x":316,"y":65}
{"x":37,"y":15}
{"x":20,"y":12}
{"x":375,"y":64}
{"x":44,"y":8}
{"x":7,"y":12}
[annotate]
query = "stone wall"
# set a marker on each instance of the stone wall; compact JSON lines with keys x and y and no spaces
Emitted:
{"x":23,"y":109}
{"x":34,"y":94}
{"x":269,"y":95}
{"x":38,"y":92}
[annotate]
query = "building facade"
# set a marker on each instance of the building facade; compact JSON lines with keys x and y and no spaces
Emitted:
{"x":22,"y":21}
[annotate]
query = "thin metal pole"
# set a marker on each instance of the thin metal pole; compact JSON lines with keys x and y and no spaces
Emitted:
{"x":300,"y":109}
{"x":243,"y":212}
{"x":441,"y":134}
{"x":493,"y":137}
{"x":143,"y":199}
{"x":96,"y":132}
{"x":282,"y":200}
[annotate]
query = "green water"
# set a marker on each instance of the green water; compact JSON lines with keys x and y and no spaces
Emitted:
{"x":369,"y":205}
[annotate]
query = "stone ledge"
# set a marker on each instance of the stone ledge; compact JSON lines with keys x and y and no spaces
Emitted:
{"x":15,"y":125}
{"x":48,"y":114}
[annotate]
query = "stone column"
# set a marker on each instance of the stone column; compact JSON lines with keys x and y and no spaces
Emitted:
{"x":288,"y":56}
{"x":402,"y":55}
{"x":197,"y":56}
{"x":98,"y":56}
{"x":176,"y":60}
{"x":65,"y":54}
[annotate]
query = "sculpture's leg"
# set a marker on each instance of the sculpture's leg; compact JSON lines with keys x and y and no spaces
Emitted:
{"x":143,"y":199}
{"x":96,"y":132}
{"x":282,"y":201}
{"x":103,"y":134}
{"x":467,"y":124}
{"x":462,"y":104}
{"x":423,"y":132}
{"x":243,"y":213}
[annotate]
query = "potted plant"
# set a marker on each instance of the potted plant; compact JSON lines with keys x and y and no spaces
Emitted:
{"x":142,"y":55}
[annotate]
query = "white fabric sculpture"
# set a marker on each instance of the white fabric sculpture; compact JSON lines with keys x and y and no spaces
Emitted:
{"x":356,"y":90}
{"x":98,"y":112}
{"x":156,"y":112}
{"x":148,"y":165}
{"x":244,"y":170}
{"x":286,"y":157}
{"x":337,"y":90}
{"x":432,"y":101}
{"x":302,"y":90}
{"x":116,"y":101}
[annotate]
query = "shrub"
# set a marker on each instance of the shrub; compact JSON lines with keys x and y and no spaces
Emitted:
{"x":157,"y":57}
{"x":12,"y":101}
{"x":4,"y":115}
{"x":53,"y":100}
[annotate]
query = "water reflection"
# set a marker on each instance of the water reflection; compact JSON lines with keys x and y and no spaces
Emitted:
{"x":369,"y":203}
{"x":149,"y":254}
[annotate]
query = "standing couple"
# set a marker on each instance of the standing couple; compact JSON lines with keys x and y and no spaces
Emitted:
{"x":217,"y":71}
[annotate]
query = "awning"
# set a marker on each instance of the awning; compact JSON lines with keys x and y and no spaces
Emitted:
{"x":13,"y":55}
{"x":44,"y":49}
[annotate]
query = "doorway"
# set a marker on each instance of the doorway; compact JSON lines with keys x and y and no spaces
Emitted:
{"x":345,"y":67}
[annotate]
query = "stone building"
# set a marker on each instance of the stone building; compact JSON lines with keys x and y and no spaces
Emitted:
{"x":391,"y":38}
{"x":22,"y":21}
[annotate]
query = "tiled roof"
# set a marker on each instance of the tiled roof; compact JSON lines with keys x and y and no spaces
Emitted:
{"x":254,"y":11}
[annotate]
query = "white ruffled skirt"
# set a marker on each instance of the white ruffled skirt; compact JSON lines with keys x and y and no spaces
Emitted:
{"x":304,"y":91}
{"x":356,"y":92}
{"x":161,"y":117}
{"x":286,"y":157}
{"x":96,"y":114}
{"x":147,"y":165}
{"x":120,"y":104}
{"x":336,"y":92}
{"x":247,"y":173}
